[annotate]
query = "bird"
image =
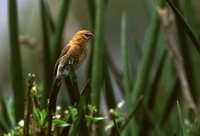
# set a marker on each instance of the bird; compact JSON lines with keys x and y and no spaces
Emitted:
{"x":73,"y":54}
{"x":71,"y":57}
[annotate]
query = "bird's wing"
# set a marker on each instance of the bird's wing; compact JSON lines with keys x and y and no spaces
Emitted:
{"x":64,"y":51}
{"x":66,"y":62}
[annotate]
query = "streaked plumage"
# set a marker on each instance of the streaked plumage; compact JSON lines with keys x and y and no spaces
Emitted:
{"x":73,"y":54}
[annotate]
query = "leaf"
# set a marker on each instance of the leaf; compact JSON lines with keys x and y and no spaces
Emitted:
{"x":36,"y":114}
{"x":43,"y":116}
{"x":60,"y":123}
{"x":90,"y":108}
{"x":39,"y":116}
{"x":115,"y":112}
{"x":181,"y":120}
{"x":97,"y":60}
{"x":73,"y":111}
{"x":94,"y":119}
{"x":111,"y":123}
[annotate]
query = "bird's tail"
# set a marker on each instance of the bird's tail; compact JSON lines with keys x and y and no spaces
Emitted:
{"x":54,"y":93}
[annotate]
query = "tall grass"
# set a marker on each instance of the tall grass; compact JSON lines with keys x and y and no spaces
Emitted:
{"x":149,"y":102}
{"x":97,"y":66}
{"x":16,"y":64}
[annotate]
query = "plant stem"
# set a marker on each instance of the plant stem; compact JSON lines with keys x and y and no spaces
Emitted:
{"x":59,"y":27}
{"x":52,"y":102}
{"x":150,"y":43}
{"x":98,"y":54}
{"x":16,"y":65}
{"x":177,"y":59}
{"x":132,"y":113}
{"x":186,"y":27}
{"x":46,"y":53}
{"x":81,"y":113}
{"x":27,"y":109}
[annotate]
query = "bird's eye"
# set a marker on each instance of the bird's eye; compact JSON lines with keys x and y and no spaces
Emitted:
{"x":86,"y":36}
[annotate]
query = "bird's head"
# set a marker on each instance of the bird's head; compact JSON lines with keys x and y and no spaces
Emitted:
{"x":82,"y":37}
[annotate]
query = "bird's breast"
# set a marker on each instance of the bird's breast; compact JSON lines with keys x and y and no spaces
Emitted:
{"x":79,"y":53}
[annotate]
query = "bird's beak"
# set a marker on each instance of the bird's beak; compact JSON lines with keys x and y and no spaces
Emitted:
{"x":91,"y":36}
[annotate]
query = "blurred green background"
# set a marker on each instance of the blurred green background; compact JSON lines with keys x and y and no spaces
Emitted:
{"x":129,"y":58}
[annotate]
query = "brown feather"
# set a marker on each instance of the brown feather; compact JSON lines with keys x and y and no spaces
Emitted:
{"x":64,"y":51}
{"x":74,"y":53}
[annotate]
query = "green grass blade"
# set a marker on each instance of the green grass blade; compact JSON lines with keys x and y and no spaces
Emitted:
{"x":171,"y":100}
{"x":16,"y":65}
{"x":109,"y":92}
{"x":3,"y":127}
{"x":150,"y":46}
{"x":59,"y":27}
{"x":137,"y":48}
{"x":181,"y":120}
{"x":113,"y":68}
{"x":70,"y":89}
{"x":125,"y":72}
{"x":153,"y":88}
{"x":190,"y":14}
{"x":97,"y":65}
{"x":124,"y":58}
{"x":97,"y":58}
{"x":46,"y":53}
{"x":80,"y":125}
{"x":187,"y":54}
{"x":4,"y":110}
{"x":152,"y":118}
{"x":52,"y":102}
{"x":91,"y":5}
{"x":49,"y":17}
{"x":185,"y":25}
{"x":86,"y":92}
{"x":132,"y":112}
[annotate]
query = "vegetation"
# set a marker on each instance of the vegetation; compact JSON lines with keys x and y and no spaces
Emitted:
{"x":160,"y":95}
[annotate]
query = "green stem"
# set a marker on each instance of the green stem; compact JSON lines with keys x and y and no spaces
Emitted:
{"x":149,"y":53}
{"x":81,"y":113}
{"x":4,"y":110}
{"x":59,"y":27}
{"x":187,"y":55}
{"x":98,"y":53}
{"x":109,"y":92}
{"x":16,"y":65}
{"x":152,"y":92}
{"x":132,"y":113}
{"x":46,"y":53}
{"x":185,"y":26}
{"x":181,"y":120}
{"x":131,"y":129}
{"x":124,"y":60}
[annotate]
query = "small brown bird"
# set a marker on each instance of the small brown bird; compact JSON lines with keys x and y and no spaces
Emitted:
{"x":73,"y":54}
